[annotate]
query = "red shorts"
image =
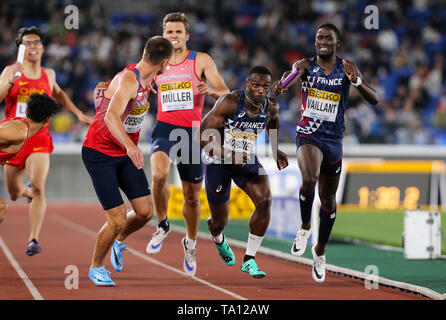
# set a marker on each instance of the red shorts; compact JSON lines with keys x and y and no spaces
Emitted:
{"x":41,"y":142}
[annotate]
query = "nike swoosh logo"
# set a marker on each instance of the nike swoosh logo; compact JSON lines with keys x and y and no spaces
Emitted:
{"x":295,"y":249}
{"x":37,"y":149}
{"x":115,"y":257}
{"x":22,"y":83}
{"x":154,"y":247}
{"x":317,"y":274}
{"x":97,"y":279}
{"x":187,"y":265}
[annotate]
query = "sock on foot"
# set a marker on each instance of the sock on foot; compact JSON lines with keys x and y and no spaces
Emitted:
{"x":219,"y":239}
{"x":164,"y":224}
{"x":190,"y":243}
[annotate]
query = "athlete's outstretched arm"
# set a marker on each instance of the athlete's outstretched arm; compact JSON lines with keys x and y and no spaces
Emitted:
{"x":127,"y":89}
{"x":365,"y":89}
{"x":12,"y":133}
{"x":60,"y":96}
{"x":272,"y":128}
{"x":211,"y":74}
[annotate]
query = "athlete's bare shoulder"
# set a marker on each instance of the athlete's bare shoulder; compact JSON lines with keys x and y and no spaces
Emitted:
{"x":7,"y":70}
{"x":124,"y":81}
{"x":229,"y":98}
{"x":227,"y":103}
{"x":51,"y":74}
{"x":204,"y":61}
{"x":13,"y":132}
{"x":49,"y":71}
{"x":203,"y":57}
{"x":6,"y":74}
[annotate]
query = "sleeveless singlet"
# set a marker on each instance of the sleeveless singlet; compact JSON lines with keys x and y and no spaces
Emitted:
{"x":99,"y":136}
{"x":179,"y":101}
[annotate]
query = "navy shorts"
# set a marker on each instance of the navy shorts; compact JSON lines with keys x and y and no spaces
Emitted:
{"x":177,"y":143}
{"x":218,"y":179}
{"x":331,"y":149}
{"x":109,"y":174}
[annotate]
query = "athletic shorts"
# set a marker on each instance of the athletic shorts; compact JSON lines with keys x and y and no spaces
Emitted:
{"x":177,"y":143}
{"x":218,"y":179}
{"x":41,"y":142}
{"x":109,"y":174}
{"x":331,"y":149}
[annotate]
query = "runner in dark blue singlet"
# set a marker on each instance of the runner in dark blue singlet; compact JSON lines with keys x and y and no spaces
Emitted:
{"x":325,"y":82}
{"x":234,"y":123}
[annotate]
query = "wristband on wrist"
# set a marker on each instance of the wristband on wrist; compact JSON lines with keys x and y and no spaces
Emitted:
{"x":358,"y":82}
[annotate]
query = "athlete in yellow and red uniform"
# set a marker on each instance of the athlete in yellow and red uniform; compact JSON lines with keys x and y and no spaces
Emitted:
{"x":34,"y":159}
{"x":16,"y":132}
{"x":15,"y":106}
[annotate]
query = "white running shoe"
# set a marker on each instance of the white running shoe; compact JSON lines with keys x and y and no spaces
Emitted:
{"x":318,"y":266}
{"x":190,"y":259}
{"x":300,"y":243}
{"x":155,"y":244}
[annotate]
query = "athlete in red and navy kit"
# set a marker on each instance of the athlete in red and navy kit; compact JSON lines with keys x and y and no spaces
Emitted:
{"x":15,"y":133}
{"x":114,"y":161}
{"x":181,"y":93}
{"x":325,"y":82}
{"x":34,"y":159}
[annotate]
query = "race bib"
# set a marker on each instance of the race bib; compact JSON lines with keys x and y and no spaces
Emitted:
{"x":239,"y":141}
{"x":99,"y":93}
{"x":134,"y":119}
{"x":177,"y":96}
{"x":322,"y":105}
{"x":21,"y":106}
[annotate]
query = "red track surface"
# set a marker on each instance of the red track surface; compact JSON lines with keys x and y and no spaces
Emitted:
{"x":68,"y":237}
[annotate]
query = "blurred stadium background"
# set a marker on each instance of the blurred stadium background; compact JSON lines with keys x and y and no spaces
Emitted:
{"x":394,"y":152}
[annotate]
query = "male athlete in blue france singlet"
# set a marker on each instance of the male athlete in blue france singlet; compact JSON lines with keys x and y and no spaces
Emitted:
{"x":325,"y":82}
{"x":239,"y":117}
{"x":324,"y":100}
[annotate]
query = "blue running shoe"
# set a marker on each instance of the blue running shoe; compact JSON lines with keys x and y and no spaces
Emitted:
{"x":116,"y":255}
{"x":225,"y":252}
{"x":100,"y":277}
{"x":33,"y":248}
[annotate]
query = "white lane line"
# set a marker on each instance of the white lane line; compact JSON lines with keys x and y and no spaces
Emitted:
{"x":143,"y":256}
{"x":329,"y":267}
{"x":32,"y":289}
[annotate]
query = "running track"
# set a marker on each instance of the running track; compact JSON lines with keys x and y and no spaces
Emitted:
{"x":68,"y":237}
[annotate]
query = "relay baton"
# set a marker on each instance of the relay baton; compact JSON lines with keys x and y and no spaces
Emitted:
{"x":290,"y":77}
{"x":20,"y":58}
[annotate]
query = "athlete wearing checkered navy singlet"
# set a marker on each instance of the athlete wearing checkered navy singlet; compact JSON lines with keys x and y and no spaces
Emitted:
{"x":325,"y":82}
